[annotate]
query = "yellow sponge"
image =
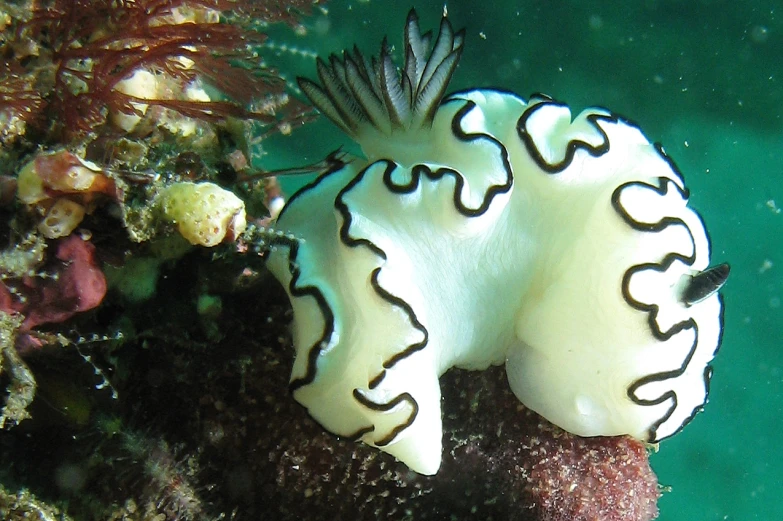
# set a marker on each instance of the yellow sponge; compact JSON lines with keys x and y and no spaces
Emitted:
{"x":205,"y":214}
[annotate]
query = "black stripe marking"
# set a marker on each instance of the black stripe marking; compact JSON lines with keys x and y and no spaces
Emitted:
{"x":459,"y":181}
{"x":573,"y":145}
{"x":652,"y":310}
{"x":412,"y":185}
{"x":705,"y":284}
{"x":386,"y":407}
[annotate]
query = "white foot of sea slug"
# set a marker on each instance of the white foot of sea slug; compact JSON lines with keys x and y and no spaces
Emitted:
{"x":486,"y":229}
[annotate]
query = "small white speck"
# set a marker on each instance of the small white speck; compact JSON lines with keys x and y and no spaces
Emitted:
{"x":759,"y":34}
{"x":765,"y":266}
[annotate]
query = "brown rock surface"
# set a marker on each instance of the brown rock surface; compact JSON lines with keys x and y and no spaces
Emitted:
{"x":205,"y":425}
{"x":501,"y":461}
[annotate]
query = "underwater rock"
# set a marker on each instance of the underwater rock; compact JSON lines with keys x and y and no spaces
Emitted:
{"x":24,"y":506}
{"x":526,"y":469}
{"x":247,"y":449}
{"x":500,"y":460}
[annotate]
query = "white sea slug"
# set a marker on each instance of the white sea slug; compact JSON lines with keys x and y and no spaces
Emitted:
{"x":486,"y":229}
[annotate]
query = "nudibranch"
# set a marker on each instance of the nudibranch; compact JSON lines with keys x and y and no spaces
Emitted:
{"x":486,"y":229}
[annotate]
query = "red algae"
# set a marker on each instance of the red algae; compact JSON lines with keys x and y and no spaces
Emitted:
{"x":70,"y":284}
{"x":76,"y":54}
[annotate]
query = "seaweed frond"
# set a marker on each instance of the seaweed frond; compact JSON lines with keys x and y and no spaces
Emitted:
{"x":97,"y":44}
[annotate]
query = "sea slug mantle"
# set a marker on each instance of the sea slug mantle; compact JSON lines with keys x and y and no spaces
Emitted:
{"x":486,"y":229}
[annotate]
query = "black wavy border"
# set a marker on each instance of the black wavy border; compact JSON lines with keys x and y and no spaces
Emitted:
{"x":416,"y":172}
{"x":573,"y":145}
{"x":459,"y":181}
{"x":312,"y":291}
{"x":411,"y":186}
{"x":385,"y":407}
{"x":652,"y":310}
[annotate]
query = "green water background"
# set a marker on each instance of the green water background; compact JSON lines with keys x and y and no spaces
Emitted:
{"x":705,"y":78}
